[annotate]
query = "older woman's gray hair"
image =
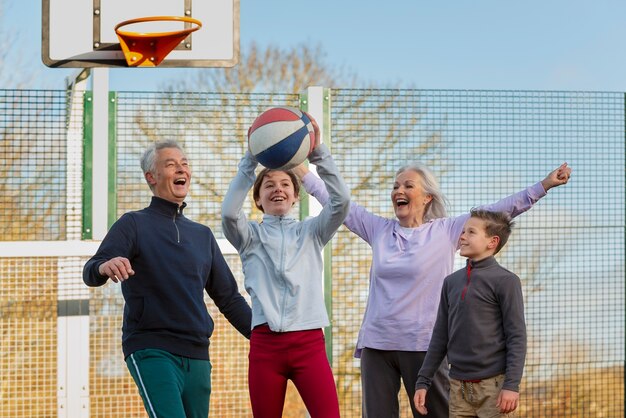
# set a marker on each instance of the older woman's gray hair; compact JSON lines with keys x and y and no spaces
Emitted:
{"x":436,"y":208}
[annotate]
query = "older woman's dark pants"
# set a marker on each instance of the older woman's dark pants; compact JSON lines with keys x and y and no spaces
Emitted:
{"x":381,"y":372}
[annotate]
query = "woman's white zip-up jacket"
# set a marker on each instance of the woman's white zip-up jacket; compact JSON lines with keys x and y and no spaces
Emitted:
{"x":282,"y":257}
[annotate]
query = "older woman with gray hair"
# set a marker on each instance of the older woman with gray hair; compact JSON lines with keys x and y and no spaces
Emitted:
{"x":411,"y":256}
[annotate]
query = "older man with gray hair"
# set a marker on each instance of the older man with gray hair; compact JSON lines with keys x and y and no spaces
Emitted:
{"x":165,"y":262}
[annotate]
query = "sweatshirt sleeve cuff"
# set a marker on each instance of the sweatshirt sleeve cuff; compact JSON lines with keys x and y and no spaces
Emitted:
{"x":308,"y":180}
{"x":537,"y":191}
{"x":320,"y":152}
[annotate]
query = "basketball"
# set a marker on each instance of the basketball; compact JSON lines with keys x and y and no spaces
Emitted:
{"x":281,"y":137}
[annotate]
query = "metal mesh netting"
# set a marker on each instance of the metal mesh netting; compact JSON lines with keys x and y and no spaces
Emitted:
{"x":32,"y":164}
{"x":568,"y":249}
{"x":212,"y":129}
{"x":481,"y":145}
{"x":28,"y":343}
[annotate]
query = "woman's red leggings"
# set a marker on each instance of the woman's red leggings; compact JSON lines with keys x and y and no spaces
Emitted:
{"x":300,"y":356}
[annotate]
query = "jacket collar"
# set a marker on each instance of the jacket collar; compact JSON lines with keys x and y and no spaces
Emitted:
{"x":272,"y":219}
{"x":485,"y":262}
{"x":166,"y":207}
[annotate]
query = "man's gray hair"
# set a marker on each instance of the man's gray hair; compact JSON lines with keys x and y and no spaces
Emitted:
{"x":148,"y":158}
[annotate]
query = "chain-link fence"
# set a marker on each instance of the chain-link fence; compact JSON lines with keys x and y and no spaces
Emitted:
{"x":482,"y":145}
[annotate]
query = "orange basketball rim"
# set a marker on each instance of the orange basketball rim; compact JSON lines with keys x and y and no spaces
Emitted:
{"x":149,"y":49}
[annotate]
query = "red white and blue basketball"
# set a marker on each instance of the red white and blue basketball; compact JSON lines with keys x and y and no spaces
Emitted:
{"x":281,"y":137}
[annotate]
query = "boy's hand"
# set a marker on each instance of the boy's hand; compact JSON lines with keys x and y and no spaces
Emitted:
{"x":507,"y":401}
{"x":420,"y":401}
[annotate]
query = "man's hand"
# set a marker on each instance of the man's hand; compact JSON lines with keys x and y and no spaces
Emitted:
{"x":117,"y":269}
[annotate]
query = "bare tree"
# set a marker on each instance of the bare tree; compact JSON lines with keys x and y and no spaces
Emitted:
{"x":383,"y":130}
{"x":31,"y":209}
{"x":271,"y":69}
{"x":32,"y":212}
{"x":237,"y":96}
{"x":13,"y":71}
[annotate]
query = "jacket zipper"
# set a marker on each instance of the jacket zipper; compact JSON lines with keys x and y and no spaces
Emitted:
{"x":282,"y":268}
{"x":177,"y":231}
{"x":469,"y":270}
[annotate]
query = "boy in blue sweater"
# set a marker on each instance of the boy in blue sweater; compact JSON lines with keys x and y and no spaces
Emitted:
{"x":480,"y":326}
{"x":165,"y":262}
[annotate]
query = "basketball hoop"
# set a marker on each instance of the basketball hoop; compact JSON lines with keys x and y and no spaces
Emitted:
{"x":149,"y":49}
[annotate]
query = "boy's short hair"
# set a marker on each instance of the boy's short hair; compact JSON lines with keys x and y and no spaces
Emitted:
{"x":256,"y":189}
{"x":496,"y":224}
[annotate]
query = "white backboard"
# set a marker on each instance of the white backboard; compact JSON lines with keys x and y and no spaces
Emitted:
{"x":80,"y":33}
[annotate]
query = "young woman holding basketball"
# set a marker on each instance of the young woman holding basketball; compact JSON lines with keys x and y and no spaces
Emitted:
{"x":412,"y":255}
{"x":282,"y":266}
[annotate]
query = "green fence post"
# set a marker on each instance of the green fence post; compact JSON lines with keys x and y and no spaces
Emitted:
{"x":112,"y":199}
{"x":87,"y":224}
{"x":316,"y":101}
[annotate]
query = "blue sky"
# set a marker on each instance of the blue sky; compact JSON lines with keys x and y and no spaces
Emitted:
{"x":480,"y":44}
